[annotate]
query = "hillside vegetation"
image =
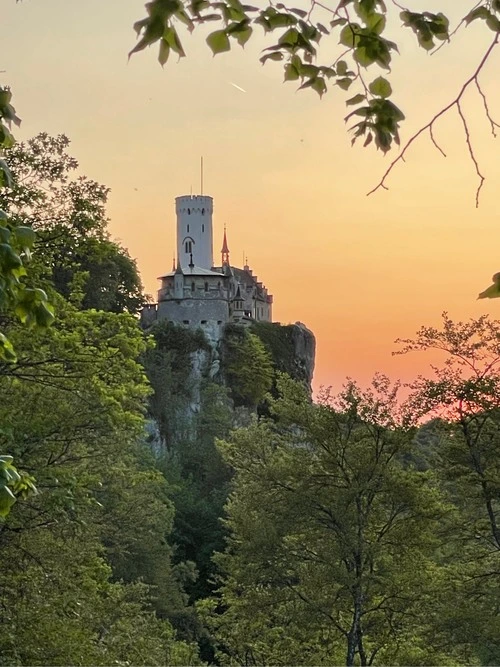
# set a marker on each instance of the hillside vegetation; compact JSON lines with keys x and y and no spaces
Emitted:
{"x":194,"y":505}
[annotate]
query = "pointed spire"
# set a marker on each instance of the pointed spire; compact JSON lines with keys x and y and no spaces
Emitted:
{"x":178,"y":270}
{"x":225,"y":249}
{"x":224,"y":243}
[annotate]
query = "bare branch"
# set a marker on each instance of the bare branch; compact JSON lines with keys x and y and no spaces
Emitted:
{"x":430,"y":125}
{"x":471,"y":151}
{"x":487,"y":110}
{"x":431,"y":132}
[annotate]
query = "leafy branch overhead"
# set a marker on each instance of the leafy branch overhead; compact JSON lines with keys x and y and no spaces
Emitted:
{"x":358,"y":27}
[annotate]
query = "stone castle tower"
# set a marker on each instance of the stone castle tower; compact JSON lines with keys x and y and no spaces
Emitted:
{"x":197,"y":293}
{"x":194,"y":231}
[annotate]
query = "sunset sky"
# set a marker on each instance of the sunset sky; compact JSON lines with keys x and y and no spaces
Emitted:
{"x":359,"y":271}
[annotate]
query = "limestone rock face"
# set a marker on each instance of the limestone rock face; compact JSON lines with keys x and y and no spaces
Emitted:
{"x":190,"y":360}
{"x":304,"y":345}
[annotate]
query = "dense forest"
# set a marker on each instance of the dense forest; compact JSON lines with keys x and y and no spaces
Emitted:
{"x":151,"y":515}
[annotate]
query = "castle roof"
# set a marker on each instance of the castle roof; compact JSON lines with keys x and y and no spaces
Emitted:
{"x":225,"y":248}
{"x":195,"y":271}
{"x":244,"y":277}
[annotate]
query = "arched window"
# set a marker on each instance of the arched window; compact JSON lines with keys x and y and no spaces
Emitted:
{"x":206,"y":287}
{"x":188,"y":247}
{"x":203,"y":228}
{"x":188,"y":229}
{"x":203,"y":211}
{"x":189,"y":211}
{"x":193,"y":286}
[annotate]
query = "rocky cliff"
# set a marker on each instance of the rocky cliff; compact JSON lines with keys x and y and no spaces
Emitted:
{"x":186,"y":361}
{"x":292,"y":348}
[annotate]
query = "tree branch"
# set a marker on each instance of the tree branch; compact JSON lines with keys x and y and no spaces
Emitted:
{"x":430,"y":125}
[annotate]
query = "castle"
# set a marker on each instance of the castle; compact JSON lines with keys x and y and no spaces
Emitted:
{"x":197,"y":293}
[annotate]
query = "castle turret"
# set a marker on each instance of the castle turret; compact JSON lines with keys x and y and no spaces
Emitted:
{"x":194,"y":231}
{"x":225,"y":250}
{"x":178,"y":283}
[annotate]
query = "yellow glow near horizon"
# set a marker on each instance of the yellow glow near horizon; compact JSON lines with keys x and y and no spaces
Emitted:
{"x":359,"y":271}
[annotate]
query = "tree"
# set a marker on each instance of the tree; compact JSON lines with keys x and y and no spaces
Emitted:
{"x":464,"y":394}
{"x":246,"y":366}
{"x":87,"y":572}
{"x":69,"y":218}
{"x":297,"y":35}
{"x":29,"y":304}
{"x":329,"y":559}
{"x":189,"y":459}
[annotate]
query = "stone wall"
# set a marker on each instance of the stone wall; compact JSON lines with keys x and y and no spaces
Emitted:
{"x":209,"y":314}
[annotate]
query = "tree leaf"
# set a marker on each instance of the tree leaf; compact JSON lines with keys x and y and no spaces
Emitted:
{"x":356,"y":99}
{"x":218,"y":41}
{"x":380,"y":87}
{"x":164,"y":52}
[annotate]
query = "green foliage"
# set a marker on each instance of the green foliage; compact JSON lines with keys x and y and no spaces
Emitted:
{"x":280,"y":341}
{"x":69,"y":217}
{"x":427,"y":27}
{"x":190,"y":460}
{"x":7,"y":117}
{"x":168,"y":365}
{"x":464,"y":394}
{"x":16,"y":243}
{"x":13,"y":484}
{"x":87,"y":572}
{"x":178,"y":339}
{"x":246,"y":366}
{"x":30,"y":305}
{"x":493,"y":291}
{"x":297,"y":36}
{"x":332,"y":537}
{"x":202,"y":488}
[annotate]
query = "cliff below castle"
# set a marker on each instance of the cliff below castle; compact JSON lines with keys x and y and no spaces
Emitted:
{"x":240,"y":368}
{"x":292,"y":348}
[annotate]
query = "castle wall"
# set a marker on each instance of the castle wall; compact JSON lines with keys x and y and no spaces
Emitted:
{"x":263,"y":311}
{"x":195,"y":312}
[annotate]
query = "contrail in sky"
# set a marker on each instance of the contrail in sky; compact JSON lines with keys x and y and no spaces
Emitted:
{"x":238,"y":87}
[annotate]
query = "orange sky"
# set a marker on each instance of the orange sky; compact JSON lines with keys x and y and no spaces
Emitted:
{"x":359,"y":271}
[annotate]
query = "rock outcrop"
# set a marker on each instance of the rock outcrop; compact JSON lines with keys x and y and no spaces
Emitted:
{"x":292,"y":348}
{"x":304,"y":345}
